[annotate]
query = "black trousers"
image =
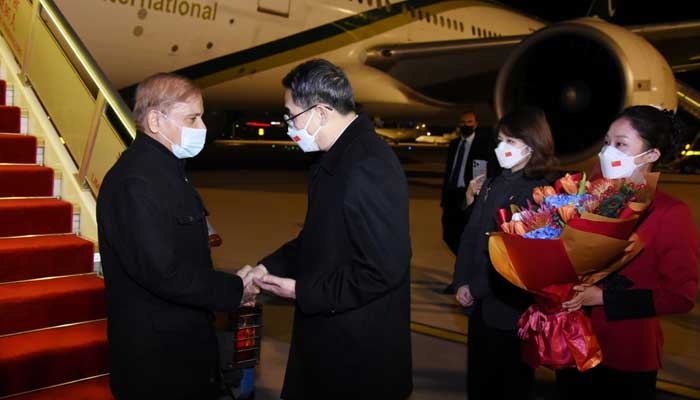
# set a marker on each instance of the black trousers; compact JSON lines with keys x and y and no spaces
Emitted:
{"x":453,"y":223}
{"x":573,"y":385}
{"x":495,"y":369}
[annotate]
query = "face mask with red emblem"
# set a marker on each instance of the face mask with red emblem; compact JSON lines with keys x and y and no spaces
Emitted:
{"x":615,"y":164}
{"x":302,"y":138}
{"x":509,"y":155}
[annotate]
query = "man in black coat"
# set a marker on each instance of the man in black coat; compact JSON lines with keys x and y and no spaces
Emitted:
{"x":473,"y":143}
{"x":348,"y":270}
{"x":161,"y":287}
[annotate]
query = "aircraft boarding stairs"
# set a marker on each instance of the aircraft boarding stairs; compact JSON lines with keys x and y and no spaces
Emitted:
{"x":52,"y":303}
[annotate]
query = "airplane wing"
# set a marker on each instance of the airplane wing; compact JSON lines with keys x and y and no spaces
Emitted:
{"x":677,"y":42}
{"x":436,"y":68}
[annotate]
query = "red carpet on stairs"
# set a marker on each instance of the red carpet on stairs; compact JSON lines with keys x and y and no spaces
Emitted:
{"x":47,"y":357}
{"x":39,"y":257}
{"x":16,"y":148}
{"x":10,"y":119}
{"x":51,"y":302}
{"x":52,"y":307}
{"x":25,"y":180}
{"x":35,"y":216}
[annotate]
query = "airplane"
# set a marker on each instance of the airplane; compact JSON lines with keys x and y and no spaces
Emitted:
{"x":415,"y":60}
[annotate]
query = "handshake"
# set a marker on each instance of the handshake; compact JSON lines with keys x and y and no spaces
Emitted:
{"x":258,"y":278}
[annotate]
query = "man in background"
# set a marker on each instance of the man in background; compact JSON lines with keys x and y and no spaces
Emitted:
{"x":472,"y":143}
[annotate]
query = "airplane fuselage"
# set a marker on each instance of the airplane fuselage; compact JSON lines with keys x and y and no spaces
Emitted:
{"x":238,"y":51}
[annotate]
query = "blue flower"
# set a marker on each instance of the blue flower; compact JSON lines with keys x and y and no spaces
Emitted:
{"x":547,"y":232}
{"x":559,"y":200}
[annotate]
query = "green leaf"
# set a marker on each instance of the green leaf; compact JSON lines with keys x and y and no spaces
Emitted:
{"x":582,"y":185}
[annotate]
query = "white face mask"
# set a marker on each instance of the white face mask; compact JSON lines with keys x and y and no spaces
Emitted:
{"x":192,"y":140}
{"x":615,"y":164}
{"x":509,"y":155}
{"x":302,"y":138}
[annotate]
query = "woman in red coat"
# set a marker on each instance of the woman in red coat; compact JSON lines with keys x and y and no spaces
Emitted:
{"x":625,"y":307}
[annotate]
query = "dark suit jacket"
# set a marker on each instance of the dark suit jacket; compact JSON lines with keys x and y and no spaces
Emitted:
{"x":159,"y":278}
{"x":500,"y":301}
{"x":351,"y":335}
{"x":482,"y":148}
{"x":661,"y":280}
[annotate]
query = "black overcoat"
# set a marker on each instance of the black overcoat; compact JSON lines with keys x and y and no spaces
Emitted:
{"x":351,"y":334}
{"x":161,"y":287}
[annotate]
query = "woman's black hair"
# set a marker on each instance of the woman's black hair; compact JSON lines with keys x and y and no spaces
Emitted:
{"x":530,"y":125}
{"x":660,"y":129}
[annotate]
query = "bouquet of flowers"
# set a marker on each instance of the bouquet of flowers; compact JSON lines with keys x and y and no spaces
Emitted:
{"x":576,"y":232}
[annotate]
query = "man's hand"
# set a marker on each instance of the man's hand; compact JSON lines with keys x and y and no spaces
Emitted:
{"x":464,"y":296}
{"x":586,"y":295}
{"x":250,"y":290}
{"x":281,"y":287}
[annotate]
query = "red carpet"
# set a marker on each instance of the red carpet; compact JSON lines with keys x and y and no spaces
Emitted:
{"x":10,"y":119}
{"x":25,"y":180}
{"x":91,"y":389}
{"x":52,"y":354}
{"x":39,"y":359}
{"x":15,"y":148}
{"x":51,"y":302}
{"x":39,"y":257}
{"x":35,"y":216}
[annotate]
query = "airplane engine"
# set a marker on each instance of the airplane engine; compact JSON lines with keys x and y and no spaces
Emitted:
{"x":582,"y":73}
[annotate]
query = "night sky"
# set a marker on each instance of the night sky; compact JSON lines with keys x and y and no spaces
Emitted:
{"x":627,"y":12}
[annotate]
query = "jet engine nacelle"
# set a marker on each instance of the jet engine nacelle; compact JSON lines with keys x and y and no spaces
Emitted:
{"x":582,"y":73}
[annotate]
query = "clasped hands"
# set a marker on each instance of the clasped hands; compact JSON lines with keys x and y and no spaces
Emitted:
{"x":258,"y":278}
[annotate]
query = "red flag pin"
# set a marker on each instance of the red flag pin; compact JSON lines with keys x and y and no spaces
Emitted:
{"x":617,"y":163}
{"x":509,"y":153}
{"x":296,"y":138}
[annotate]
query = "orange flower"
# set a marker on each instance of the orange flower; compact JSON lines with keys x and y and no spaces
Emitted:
{"x":548,"y":191}
{"x":568,"y":184}
{"x":538,"y":195}
{"x":514,"y":228}
{"x":567,"y":213}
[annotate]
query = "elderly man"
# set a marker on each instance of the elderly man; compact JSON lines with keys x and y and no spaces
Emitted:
{"x":348,"y":270}
{"x":161,"y":287}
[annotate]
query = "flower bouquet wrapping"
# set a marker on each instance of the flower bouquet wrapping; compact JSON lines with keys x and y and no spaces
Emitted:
{"x":578,"y":232}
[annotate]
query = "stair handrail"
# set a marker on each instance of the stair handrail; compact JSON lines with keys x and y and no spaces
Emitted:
{"x":96,"y":74}
{"x":52,"y":60}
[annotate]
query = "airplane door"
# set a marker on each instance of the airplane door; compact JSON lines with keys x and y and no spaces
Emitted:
{"x":275,"y":7}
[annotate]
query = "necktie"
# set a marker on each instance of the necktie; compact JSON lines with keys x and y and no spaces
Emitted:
{"x":454,"y":177}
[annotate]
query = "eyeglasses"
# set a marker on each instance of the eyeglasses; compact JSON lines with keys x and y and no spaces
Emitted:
{"x":287,"y":119}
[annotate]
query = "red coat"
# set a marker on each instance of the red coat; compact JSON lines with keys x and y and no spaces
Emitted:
{"x":668,"y":269}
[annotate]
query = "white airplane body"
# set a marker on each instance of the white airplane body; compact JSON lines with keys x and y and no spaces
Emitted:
{"x":405,"y":59}
{"x":133,"y":39}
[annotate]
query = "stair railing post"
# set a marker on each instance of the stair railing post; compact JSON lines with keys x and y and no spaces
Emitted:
{"x":100,"y":105}
{"x":29,"y":43}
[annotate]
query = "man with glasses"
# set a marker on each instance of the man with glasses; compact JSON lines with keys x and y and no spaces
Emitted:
{"x":348,"y":270}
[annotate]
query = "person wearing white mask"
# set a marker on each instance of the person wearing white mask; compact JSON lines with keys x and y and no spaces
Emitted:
{"x":663,"y":279}
{"x":159,"y":278}
{"x":525,"y":153}
{"x":348,"y":270}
